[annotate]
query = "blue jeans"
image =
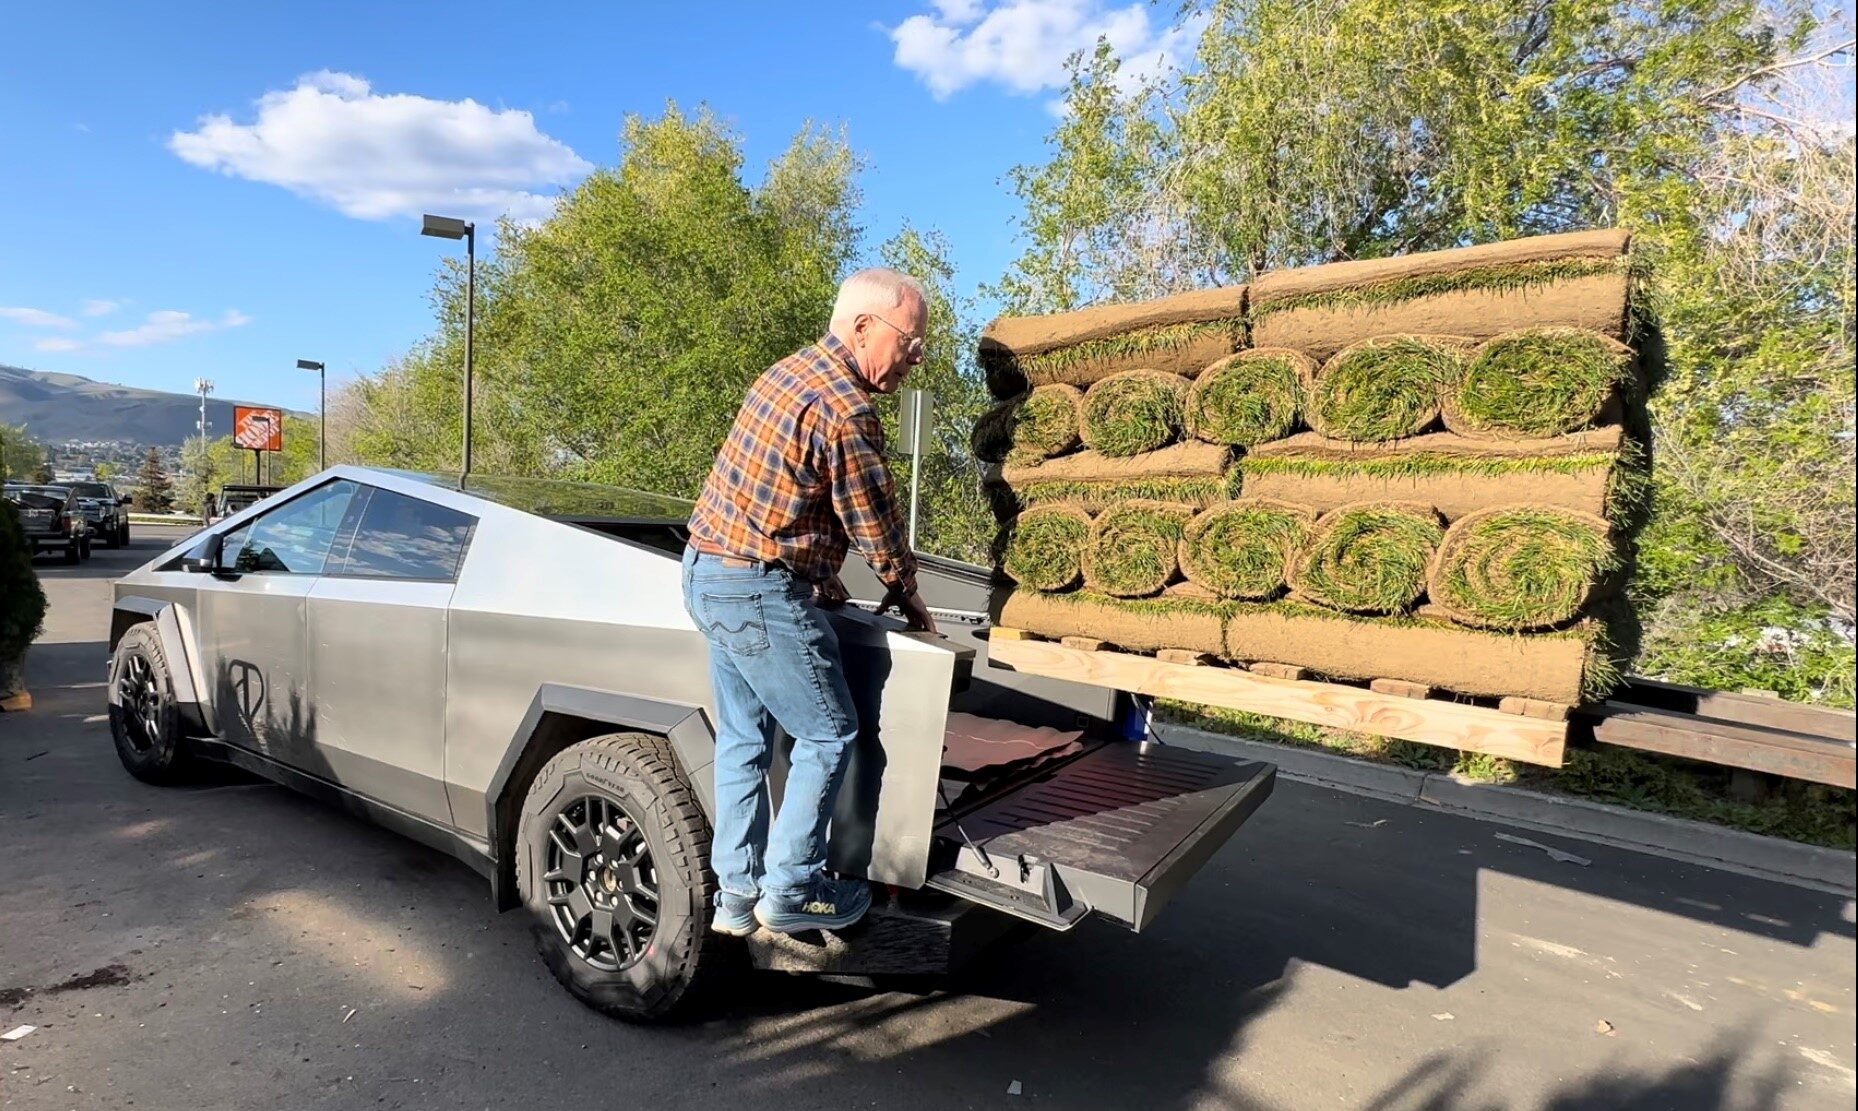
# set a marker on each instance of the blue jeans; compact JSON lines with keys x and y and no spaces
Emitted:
{"x":774,"y":662}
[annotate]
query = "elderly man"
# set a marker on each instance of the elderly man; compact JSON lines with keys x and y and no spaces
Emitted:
{"x":800,"y":477}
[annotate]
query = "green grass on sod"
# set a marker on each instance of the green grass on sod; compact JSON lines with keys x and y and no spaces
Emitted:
{"x":1243,"y":549}
{"x":1382,"y":389}
{"x":1538,"y":382}
{"x":1368,"y":558}
{"x":1510,"y":276}
{"x":1520,"y":567}
{"x":1248,"y":398}
{"x":1134,"y":411}
{"x":1047,"y":423}
{"x":1134,"y":548}
{"x":1160,"y":339}
{"x":1045,"y":547}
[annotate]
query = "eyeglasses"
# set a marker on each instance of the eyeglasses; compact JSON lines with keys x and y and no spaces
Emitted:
{"x":914,"y":348}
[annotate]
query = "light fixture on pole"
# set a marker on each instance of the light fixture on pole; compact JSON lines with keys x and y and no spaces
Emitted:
{"x":447,"y":227}
{"x":322,"y":409}
{"x":204,"y":386}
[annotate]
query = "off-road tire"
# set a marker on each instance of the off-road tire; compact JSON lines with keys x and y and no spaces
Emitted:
{"x":74,"y":553}
{"x":148,"y":736}
{"x":122,"y":536}
{"x":682,"y":960}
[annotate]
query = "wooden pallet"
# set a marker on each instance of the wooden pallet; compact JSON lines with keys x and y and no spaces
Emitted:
{"x":1743,"y":731}
{"x":1537,"y":738}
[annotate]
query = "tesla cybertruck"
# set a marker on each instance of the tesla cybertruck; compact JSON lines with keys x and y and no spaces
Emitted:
{"x":503,"y":669}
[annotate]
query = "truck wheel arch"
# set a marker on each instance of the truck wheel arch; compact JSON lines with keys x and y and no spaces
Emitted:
{"x":562,"y":715}
{"x":132,"y":610}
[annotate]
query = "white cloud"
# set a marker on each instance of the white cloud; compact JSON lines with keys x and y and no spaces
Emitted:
{"x":333,"y":139}
{"x":98,"y":306}
{"x":59,"y":343}
{"x":170,"y":324}
{"x":35,"y":318}
{"x":1023,"y":44}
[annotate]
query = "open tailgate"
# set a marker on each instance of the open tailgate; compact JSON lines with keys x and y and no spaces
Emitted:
{"x":1114,"y":830}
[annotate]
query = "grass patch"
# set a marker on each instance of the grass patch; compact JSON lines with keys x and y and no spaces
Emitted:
{"x":1161,"y":339}
{"x":1537,"y":382}
{"x":1419,"y":464}
{"x":1368,"y":558}
{"x":1520,"y":567}
{"x":1095,"y":496}
{"x":1044,"y":547}
{"x":1510,"y":276}
{"x":1243,"y":549}
{"x":1382,"y":389}
{"x":1134,"y":548}
{"x":1135,"y":411}
{"x":1047,"y":423}
{"x":1248,"y":398}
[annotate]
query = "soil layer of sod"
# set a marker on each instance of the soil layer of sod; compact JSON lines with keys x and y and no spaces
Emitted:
{"x":1368,"y":558}
{"x":1194,"y":473}
{"x":1539,"y":382}
{"x":1454,"y":474}
{"x":1134,"y":412}
{"x":1520,"y":567}
{"x":1134,"y":548}
{"x":1568,"y":666}
{"x":1243,"y":549}
{"x":1383,"y":389}
{"x":1179,"y":334}
{"x":1249,"y":397}
{"x":1044,"y":547}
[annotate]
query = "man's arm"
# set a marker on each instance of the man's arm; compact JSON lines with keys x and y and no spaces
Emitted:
{"x":865,"y":499}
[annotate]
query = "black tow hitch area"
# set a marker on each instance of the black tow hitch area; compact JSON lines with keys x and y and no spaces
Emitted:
{"x":1113,"y":831}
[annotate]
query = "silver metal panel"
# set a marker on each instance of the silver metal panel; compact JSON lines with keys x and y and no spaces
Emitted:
{"x":253,"y":642}
{"x":377,"y":661}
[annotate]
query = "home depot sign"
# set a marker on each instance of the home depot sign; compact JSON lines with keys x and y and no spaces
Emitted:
{"x":257,"y":429}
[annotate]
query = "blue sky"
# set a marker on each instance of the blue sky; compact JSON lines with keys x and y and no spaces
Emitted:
{"x":208,"y":189}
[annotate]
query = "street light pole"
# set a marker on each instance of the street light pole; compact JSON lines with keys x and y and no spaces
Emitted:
{"x":448,"y":227}
{"x":322,"y":410}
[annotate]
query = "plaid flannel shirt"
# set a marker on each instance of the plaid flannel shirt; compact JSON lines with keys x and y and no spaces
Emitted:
{"x":802,"y":476}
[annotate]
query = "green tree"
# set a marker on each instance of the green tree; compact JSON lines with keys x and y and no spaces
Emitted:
{"x":20,"y":454}
{"x":43,"y":472}
{"x":1311,"y":130}
{"x":154,"y":493}
{"x":22,"y":600}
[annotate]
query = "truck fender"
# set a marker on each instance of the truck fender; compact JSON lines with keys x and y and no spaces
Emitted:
{"x":561,"y":715}
{"x":176,"y":645}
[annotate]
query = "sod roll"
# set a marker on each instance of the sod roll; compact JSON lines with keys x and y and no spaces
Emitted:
{"x":1141,"y":624}
{"x":1520,"y":567}
{"x":1250,"y":397}
{"x":1577,"y":279}
{"x":1243,"y":549}
{"x":1455,"y":474}
{"x":1368,"y":558}
{"x":1179,"y":334}
{"x":1537,"y":382}
{"x":1044,"y":547}
{"x":1193,"y":473}
{"x":1383,"y":389}
{"x":1134,"y":548}
{"x":1047,"y":423}
{"x":991,"y":438}
{"x":1134,"y":411}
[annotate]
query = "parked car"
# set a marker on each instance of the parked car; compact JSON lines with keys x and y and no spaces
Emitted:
{"x":504,"y":669}
{"x":51,"y":519}
{"x":105,"y":511}
{"x":234,"y":497}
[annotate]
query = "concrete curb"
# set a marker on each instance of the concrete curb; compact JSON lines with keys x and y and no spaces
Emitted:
{"x":1752,"y":854}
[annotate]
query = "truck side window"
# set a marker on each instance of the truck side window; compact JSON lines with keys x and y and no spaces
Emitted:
{"x":405,"y":538}
{"x":294,"y":538}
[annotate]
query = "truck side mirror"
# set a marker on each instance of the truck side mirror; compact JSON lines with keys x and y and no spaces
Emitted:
{"x":204,"y":559}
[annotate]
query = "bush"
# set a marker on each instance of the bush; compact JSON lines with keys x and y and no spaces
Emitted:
{"x":22,"y":601}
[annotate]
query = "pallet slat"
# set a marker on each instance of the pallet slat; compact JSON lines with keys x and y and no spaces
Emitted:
{"x":1745,"y":709}
{"x":1729,"y":743}
{"x":1448,"y":724}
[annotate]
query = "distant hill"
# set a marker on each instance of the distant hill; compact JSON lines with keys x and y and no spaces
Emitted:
{"x":60,"y":407}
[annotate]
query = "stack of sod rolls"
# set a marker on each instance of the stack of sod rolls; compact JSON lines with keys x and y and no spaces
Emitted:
{"x":1425,"y":468}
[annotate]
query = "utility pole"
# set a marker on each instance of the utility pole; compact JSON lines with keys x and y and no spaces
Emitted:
{"x":203,"y":386}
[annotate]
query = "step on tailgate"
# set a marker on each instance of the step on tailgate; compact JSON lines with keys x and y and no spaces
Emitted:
{"x":1115,"y":832}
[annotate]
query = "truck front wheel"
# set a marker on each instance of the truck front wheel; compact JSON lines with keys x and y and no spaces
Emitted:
{"x":612,"y":862}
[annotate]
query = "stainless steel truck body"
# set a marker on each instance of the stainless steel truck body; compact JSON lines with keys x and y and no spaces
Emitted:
{"x":504,"y":669}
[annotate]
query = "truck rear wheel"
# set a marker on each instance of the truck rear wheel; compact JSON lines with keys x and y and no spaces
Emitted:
{"x":613,"y":863}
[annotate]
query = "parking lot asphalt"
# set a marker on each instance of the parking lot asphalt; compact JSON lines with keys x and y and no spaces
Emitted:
{"x":231,"y":945}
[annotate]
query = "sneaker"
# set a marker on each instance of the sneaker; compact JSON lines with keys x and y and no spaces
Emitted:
{"x":735,"y":914}
{"x":830,"y":905}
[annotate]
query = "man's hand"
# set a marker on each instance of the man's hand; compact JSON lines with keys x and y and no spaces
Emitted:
{"x":911,"y":608}
{"x":831,"y":593}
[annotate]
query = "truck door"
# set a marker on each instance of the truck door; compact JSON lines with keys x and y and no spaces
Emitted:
{"x":377,"y":641}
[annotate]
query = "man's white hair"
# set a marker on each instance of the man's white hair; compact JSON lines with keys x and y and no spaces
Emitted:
{"x":878,"y":291}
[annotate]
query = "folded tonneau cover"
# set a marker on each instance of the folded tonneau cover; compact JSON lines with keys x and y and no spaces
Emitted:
{"x":1114,"y":830}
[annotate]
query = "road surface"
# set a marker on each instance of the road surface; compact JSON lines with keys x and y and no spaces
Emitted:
{"x":232,"y":945}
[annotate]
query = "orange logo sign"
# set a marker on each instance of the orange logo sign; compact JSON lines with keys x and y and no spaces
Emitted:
{"x":256,"y":429}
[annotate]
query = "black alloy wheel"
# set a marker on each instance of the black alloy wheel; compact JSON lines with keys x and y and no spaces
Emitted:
{"x":602,"y":885}
{"x":140,"y":697}
{"x":145,"y":722}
